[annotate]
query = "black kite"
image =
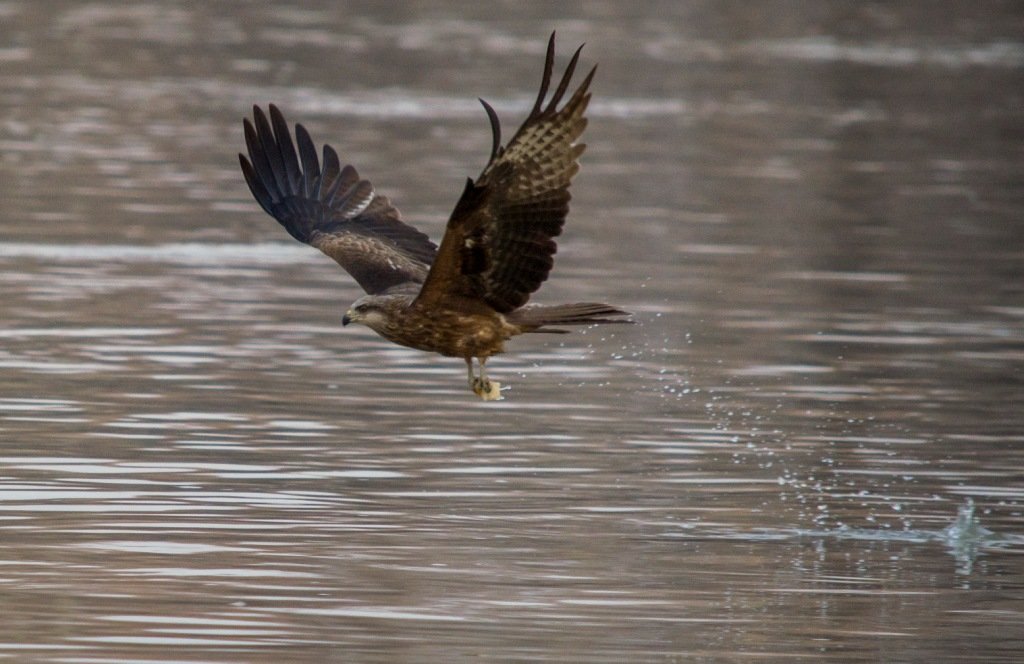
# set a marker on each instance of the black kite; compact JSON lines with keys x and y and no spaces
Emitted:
{"x":466,"y":297}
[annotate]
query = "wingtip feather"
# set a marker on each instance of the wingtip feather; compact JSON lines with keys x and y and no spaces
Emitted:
{"x":495,"y":129}
{"x":545,"y":81}
{"x":563,"y":85}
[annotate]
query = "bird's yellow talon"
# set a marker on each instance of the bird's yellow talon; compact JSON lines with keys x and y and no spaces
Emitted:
{"x":489,"y":391}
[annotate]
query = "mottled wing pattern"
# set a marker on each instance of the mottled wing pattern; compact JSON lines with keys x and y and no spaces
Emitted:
{"x":329,"y":207}
{"x":498,"y":246}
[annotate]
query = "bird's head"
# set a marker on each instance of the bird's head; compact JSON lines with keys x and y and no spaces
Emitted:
{"x":368,"y":311}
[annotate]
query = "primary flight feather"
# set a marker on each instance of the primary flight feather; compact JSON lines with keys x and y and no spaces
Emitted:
{"x":466,"y":297}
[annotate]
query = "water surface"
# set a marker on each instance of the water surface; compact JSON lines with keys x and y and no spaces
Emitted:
{"x":809,"y":449}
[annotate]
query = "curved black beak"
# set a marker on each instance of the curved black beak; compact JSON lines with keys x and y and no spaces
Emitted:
{"x":345,"y":320}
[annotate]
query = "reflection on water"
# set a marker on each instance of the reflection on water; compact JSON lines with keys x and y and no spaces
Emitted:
{"x":810,"y":448}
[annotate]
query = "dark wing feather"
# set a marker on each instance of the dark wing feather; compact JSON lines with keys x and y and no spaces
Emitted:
{"x":498,"y":246}
{"x":330,"y":207}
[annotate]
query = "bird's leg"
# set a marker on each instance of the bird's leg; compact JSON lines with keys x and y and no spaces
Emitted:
{"x":487,"y":390}
{"x":483,"y":388}
{"x":485,"y":384}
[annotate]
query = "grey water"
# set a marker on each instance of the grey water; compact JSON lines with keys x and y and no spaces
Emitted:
{"x":809,"y":448}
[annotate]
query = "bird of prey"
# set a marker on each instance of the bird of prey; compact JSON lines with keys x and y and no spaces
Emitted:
{"x":466,"y":297}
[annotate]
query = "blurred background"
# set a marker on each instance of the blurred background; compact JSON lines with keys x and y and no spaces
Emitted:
{"x":811,"y":445}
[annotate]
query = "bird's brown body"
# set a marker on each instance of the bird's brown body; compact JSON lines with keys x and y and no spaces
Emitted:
{"x":467,"y":332}
{"x":468,"y":296}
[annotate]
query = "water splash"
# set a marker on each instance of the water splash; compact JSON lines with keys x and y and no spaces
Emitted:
{"x":965,"y":538}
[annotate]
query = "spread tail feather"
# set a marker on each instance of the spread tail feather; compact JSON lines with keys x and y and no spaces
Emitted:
{"x":537,"y":318}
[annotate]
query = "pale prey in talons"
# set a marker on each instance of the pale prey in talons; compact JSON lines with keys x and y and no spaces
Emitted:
{"x":468,"y":296}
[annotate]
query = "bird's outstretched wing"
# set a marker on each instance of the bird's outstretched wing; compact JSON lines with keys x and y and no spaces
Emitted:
{"x":498,"y":244}
{"x":330,"y":207}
